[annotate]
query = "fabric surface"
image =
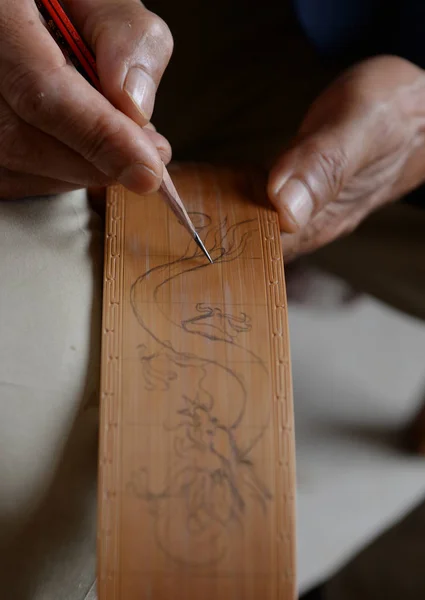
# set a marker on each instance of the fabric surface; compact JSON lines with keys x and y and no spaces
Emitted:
{"x":384,"y":257}
{"x":391,"y":568}
{"x":50,"y":273}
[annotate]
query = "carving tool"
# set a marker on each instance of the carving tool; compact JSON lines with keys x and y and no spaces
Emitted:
{"x":72,"y":44}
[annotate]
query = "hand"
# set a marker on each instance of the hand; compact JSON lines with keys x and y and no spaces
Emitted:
{"x":361,"y":145}
{"x":57,"y":133}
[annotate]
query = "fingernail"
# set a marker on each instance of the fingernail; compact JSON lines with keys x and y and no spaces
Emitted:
{"x":296,"y":201}
{"x":140,"y":179}
{"x":141,"y":89}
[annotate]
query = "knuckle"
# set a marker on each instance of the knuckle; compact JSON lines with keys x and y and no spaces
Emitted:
{"x":331,"y":166}
{"x":151,"y":35}
{"x":158,"y":35}
{"x":100,"y":146}
{"x":28,"y":94}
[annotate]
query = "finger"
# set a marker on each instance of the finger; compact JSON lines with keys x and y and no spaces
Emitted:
{"x":28,"y":150}
{"x":161,"y":143}
{"x":50,"y":95}
{"x":132,"y":46}
{"x":311,"y":174}
{"x":341,"y":133}
{"x":97,"y":194}
{"x":15,"y":185}
{"x":331,"y":223}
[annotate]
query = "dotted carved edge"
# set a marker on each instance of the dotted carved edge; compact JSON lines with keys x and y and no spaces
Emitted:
{"x":282,"y":403}
{"x":109,"y":443}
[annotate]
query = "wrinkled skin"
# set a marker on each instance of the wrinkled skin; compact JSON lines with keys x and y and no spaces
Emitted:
{"x":360,"y":146}
{"x":57,"y":133}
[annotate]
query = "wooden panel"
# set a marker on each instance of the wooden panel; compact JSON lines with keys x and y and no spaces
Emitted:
{"x":196,"y":496}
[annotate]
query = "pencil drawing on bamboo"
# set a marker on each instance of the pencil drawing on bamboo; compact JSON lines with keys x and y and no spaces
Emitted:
{"x":211,"y":478}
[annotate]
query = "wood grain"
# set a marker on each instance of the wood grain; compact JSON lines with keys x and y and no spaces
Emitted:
{"x":196,"y":491}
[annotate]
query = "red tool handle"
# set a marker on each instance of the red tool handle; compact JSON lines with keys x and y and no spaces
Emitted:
{"x":69,"y":40}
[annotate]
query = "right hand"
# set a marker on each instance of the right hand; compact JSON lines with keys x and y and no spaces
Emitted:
{"x":57,"y":133}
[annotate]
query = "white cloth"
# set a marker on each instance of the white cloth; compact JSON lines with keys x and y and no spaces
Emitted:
{"x":359,"y":377}
{"x":50,"y":274}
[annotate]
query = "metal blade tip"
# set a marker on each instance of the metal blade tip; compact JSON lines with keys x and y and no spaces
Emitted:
{"x":202,"y":247}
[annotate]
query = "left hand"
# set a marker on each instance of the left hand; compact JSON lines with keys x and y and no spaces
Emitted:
{"x":361,"y":145}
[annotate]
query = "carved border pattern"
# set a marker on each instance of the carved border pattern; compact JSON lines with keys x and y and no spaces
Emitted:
{"x":282,"y":402}
{"x":108,"y":577}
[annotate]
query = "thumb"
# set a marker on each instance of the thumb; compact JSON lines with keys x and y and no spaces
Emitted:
{"x":312,"y":173}
{"x":132,"y":46}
